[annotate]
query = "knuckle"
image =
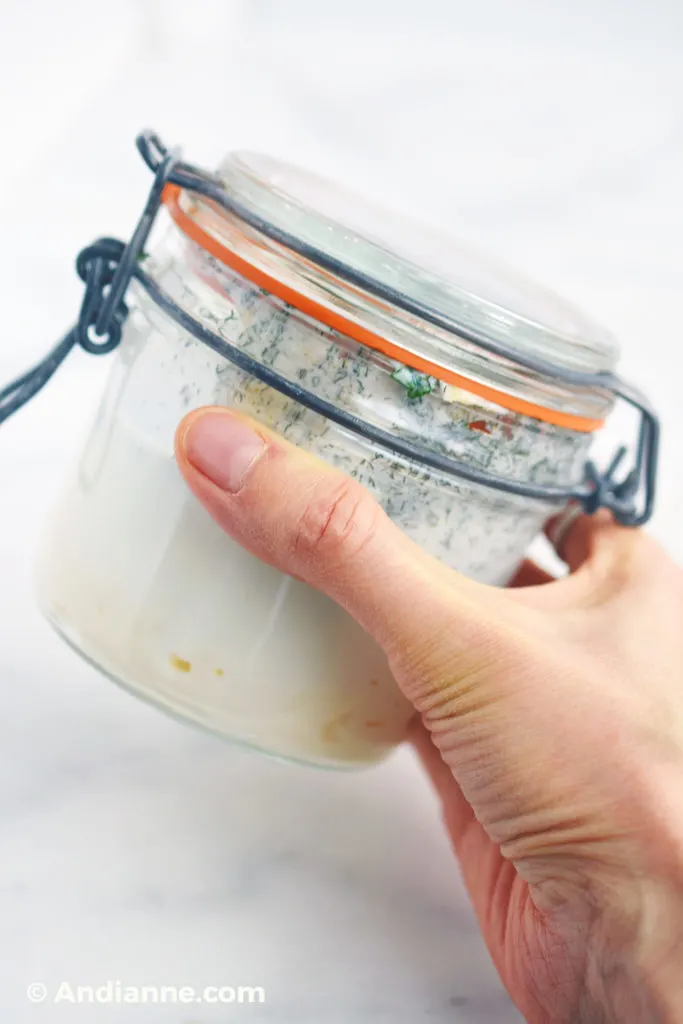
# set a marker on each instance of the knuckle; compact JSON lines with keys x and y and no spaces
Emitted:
{"x":336,"y":524}
{"x":627,"y":563}
{"x":631,"y":551}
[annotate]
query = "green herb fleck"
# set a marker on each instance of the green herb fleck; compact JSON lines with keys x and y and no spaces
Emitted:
{"x":416,"y":384}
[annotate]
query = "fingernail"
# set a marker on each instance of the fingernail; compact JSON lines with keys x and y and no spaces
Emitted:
{"x":223,"y":448}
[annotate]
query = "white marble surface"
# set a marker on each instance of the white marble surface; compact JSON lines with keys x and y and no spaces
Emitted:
{"x":134,"y":849}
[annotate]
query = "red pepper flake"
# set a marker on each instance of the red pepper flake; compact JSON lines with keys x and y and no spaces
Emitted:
{"x":480,"y":425}
{"x":508,"y":423}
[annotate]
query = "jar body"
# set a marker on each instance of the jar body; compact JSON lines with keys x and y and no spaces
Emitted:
{"x":142,"y":582}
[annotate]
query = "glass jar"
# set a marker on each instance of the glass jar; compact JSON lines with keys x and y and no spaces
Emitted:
{"x":139,"y":579}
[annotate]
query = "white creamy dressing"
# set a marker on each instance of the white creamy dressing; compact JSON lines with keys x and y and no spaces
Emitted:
{"x":138,"y":577}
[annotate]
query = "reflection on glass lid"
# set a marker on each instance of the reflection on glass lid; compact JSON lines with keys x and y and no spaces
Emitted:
{"x":423,"y":263}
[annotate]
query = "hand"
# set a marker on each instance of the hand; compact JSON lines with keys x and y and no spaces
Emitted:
{"x":551,"y":718}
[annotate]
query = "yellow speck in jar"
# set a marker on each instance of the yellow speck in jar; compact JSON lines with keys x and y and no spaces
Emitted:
{"x":218,"y":672}
{"x":330,"y":731}
{"x":180,"y":664}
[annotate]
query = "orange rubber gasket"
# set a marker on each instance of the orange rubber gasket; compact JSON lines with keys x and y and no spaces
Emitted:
{"x":322,"y":314}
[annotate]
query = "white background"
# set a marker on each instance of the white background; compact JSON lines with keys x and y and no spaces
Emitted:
{"x":551,"y":134}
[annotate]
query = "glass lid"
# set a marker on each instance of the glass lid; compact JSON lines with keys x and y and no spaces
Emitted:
{"x":422,"y":263}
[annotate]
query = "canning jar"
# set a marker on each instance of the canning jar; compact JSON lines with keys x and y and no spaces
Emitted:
{"x":380,"y":346}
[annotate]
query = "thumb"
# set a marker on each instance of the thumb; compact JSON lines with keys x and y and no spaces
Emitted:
{"x":311,"y":521}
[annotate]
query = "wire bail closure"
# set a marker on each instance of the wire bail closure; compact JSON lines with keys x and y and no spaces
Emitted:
{"x":108,"y":266}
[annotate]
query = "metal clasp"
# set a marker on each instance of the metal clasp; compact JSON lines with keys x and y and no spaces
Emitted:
{"x":638,"y":486}
{"x":108,"y":266}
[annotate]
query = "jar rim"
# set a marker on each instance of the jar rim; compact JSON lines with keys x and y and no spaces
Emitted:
{"x":190,"y":216}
